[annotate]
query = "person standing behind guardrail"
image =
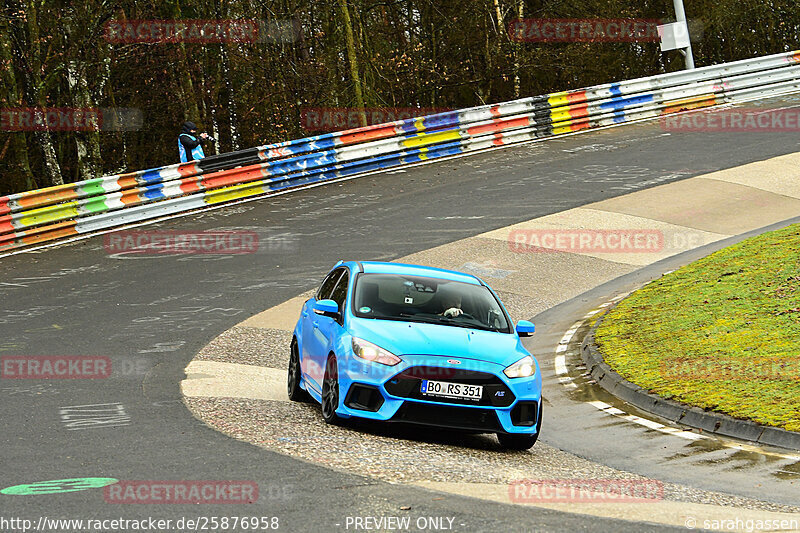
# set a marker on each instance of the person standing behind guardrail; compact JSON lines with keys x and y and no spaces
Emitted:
{"x":190,"y":144}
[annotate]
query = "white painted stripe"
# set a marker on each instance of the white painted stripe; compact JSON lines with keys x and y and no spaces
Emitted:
{"x":561,"y":348}
{"x":644,"y":422}
{"x":561,"y":365}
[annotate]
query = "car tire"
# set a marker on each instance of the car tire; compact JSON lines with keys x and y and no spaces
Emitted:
{"x":330,"y":392}
{"x":294,"y":376}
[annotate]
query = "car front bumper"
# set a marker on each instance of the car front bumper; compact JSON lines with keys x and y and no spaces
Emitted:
{"x":392,"y":394}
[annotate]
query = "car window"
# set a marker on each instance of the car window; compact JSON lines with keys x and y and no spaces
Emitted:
{"x":339,"y":294}
{"x":425,"y":299}
{"x":325,"y":290}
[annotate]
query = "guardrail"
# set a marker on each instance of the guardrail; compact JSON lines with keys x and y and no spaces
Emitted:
{"x":88,"y":206}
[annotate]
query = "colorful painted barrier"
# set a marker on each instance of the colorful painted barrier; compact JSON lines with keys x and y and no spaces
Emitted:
{"x":88,"y":206}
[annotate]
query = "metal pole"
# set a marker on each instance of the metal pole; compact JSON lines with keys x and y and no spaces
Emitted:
{"x":680,"y":16}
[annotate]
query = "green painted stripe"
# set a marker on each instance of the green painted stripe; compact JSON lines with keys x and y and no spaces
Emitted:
{"x":92,"y":187}
{"x":95,"y":205}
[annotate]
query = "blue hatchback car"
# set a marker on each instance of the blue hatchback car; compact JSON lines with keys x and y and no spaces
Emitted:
{"x":407,"y":343}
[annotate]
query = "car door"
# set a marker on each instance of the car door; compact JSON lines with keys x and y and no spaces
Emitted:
{"x":311,"y":340}
{"x":327,"y":329}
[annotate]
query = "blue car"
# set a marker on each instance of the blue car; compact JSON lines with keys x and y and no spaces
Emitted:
{"x":407,"y":343}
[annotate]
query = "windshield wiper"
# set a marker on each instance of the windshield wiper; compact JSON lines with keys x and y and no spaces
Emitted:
{"x":447,"y":321}
{"x":427,"y":319}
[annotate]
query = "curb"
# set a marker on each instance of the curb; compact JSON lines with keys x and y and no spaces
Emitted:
{"x":707,"y":421}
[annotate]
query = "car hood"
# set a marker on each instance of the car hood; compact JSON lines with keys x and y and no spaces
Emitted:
{"x":414,"y":338}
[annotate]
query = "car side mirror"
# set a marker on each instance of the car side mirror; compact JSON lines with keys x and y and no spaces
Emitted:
{"x":525,"y":328}
{"x":327,"y":308}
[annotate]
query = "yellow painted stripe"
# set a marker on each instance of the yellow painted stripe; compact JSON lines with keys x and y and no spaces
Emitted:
{"x":52,"y":213}
{"x":560,"y":116}
{"x":419,"y":124}
{"x":423,"y":154}
{"x":431,"y":138}
{"x":558,"y":99}
{"x":561,"y":130}
{"x":242,"y":190}
{"x":691,"y":100}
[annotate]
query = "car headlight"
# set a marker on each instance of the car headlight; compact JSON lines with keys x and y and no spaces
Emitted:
{"x":373,"y":353}
{"x":523,"y":368}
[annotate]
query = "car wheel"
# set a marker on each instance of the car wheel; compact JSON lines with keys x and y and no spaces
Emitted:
{"x":296,"y":392}
{"x":330,"y":392}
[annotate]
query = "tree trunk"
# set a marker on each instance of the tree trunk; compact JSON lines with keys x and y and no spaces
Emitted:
{"x":352,"y":59}
{"x":184,"y":73}
{"x":18,"y":141}
{"x":517,"y":51}
{"x":87,"y":143}
{"x":35,"y":92}
{"x":233,"y":117}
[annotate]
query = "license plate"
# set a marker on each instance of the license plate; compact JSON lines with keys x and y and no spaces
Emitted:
{"x":451,"y":390}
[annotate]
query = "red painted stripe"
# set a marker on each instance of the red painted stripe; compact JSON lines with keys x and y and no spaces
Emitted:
{"x":190,"y":185}
{"x":576,"y":97}
{"x":188,"y":169}
{"x":495,"y":111}
{"x":499,"y":125}
{"x":4,"y":209}
{"x":795,"y":57}
{"x":232,"y":177}
{"x":370,"y":133}
{"x":7,"y":237}
{"x":579,"y":111}
{"x":5,"y":225}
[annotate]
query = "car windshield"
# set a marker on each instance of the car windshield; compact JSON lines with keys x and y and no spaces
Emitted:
{"x":430,"y":300}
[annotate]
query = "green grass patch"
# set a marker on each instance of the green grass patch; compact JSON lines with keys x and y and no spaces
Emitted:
{"x":722,"y":333}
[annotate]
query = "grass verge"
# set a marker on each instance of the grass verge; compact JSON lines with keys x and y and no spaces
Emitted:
{"x":722,"y":333}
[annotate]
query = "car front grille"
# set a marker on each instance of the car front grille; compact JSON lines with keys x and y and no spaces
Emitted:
{"x":407,"y":385}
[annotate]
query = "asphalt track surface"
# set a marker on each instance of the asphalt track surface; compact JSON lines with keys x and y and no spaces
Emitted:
{"x":151,"y":314}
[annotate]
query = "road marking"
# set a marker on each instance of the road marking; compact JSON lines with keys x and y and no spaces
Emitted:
{"x":561,"y":357}
{"x":562,"y":372}
{"x":76,"y":417}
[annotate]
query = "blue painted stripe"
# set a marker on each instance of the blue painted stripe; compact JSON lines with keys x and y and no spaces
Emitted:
{"x":152,"y":192}
{"x":621,"y":103}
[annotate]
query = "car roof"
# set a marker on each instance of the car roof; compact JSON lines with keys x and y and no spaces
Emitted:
{"x":379,"y":267}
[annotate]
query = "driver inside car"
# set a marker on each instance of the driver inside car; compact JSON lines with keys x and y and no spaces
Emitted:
{"x":451,"y":303}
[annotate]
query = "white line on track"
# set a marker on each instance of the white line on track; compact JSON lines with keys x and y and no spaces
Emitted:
{"x":562,"y":372}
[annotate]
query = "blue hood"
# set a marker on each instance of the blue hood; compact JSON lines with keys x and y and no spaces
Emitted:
{"x":414,"y":338}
